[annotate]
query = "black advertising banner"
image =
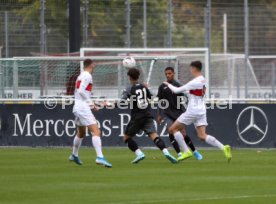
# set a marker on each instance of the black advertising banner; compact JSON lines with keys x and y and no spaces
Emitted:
{"x":240,"y":125}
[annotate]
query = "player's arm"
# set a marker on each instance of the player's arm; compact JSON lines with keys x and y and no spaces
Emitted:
{"x":126,"y":93}
{"x":82,"y":88}
{"x":189,"y":86}
{"x":159,"y":110}
{"x":183,"y":95}
{"x":149,"y":94}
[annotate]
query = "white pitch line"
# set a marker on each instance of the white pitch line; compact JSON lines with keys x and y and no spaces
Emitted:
{"x":199,"y":199}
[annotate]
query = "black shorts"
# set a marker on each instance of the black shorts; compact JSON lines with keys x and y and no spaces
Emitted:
{"x":169,"y":120}
{"x":145,"y":124}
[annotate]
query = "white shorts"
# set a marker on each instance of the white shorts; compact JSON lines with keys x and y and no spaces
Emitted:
{"x":84,"y":118}
{"x":197,"y":120}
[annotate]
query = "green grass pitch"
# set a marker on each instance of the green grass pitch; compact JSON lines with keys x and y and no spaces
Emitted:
{"x":44,"y":175}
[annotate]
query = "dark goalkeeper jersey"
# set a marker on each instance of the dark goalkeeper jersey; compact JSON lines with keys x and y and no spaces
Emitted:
{"x":139,"y":96}
{"x":174,"y":110}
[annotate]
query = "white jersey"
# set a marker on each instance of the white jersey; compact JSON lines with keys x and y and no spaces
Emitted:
{"x":83,"y":90}
{"x":196,"y":89}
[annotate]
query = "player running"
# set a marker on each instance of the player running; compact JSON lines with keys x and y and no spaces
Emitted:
{"x":84,"y":117}
{"x":171,"y":113}
{"x":141,"y":117}
{"x":196,"y":110}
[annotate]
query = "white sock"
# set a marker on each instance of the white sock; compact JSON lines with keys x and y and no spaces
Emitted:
{"x":76,"y":145}
{"x":97,"y":143}
{"x":181,"y":142}
{"x":214,"y":142}
{"x":165,"y":151}
{"x":138,"y":152}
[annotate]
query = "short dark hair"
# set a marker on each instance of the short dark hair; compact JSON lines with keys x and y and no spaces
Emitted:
{"x":87,"y":63}
{"x":133,"y":73}
{"x":196,"y":64}
{"x":169,"y":68}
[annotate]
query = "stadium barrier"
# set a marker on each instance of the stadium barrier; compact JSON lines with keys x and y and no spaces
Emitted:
{"x":39,"y":124}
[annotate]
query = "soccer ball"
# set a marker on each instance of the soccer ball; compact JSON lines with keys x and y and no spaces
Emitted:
{"x":129,"y":62}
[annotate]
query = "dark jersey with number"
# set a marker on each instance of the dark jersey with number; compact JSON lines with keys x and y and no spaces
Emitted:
{"x":139,"y":97}
{"x":174,"y":110}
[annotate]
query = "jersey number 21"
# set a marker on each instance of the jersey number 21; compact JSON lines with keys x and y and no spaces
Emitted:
{"x":142,"y":101}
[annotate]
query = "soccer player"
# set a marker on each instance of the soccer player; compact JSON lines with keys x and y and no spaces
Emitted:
{"x":171,"y":113}
{"x":84,"y":118}
{"x":141,"y":117}
{"x":196,"y":110}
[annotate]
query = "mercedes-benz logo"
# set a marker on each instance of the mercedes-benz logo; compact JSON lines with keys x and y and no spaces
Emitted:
{"x":258,"y":128}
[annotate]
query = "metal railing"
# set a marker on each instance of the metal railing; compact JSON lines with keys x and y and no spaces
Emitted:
{"x":31,"y":27}
{"x":52,"y":76}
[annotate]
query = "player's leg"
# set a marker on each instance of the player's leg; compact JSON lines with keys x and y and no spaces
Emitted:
{"x":97,"y":144}
{"x":200,"y":125}
{"x":77,"y":144}
{"x":132,"y":128}
{"x":179,"y":130}
{"x":132,"y":145}
{"x":161,"y":145}
{"x":78,"y":140}
{"x":201,"y":132}
{"x":174,"y":143}
{"x":175,"y":129}
{"x":189,"y":142}
{"x":150,"y":129}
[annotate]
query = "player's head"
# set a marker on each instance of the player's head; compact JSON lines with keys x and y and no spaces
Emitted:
{"x":169,"y":73}
{"x":196,"y":67}
{"x":133,"y":75}
{"x":88,"y":65}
